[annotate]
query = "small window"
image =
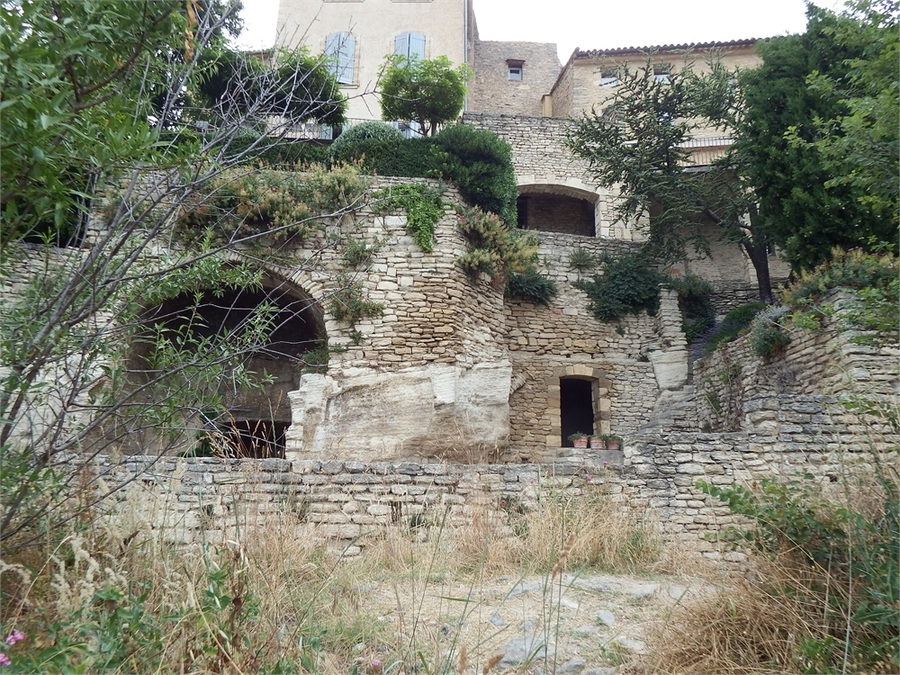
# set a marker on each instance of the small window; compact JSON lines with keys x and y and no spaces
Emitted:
{"x":609,"y":78}
{"x":662,"y":75}
{"x":514,"y":69}
{"x":410,"y":44}
{"x":340,"y":53}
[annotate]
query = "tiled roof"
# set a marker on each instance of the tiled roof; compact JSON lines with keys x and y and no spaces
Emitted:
{"x":593,"y":53}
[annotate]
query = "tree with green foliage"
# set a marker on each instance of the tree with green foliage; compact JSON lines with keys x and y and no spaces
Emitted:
{"x":637,"y":145}
{"x":80,"y":141}
{"x":430,"y":92}
{"x":297,"y":87}
{"x":818,"y":137}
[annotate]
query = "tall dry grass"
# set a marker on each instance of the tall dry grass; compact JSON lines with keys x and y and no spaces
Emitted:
{"x":276,"y":598}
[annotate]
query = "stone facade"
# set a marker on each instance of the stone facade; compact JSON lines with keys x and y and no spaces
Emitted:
{"x":447,"y":26}
{"x":494,"y":90}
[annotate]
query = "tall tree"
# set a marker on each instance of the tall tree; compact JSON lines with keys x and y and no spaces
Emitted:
{"x":820,"y":190}
{"x":429,"y":92}
{"x":637,"y":146}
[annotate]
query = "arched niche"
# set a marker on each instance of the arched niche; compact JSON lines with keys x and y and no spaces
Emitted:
{"x":254,"y":420}
{"x":551,"y":207}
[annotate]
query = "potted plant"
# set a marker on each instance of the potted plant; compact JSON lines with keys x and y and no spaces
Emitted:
{"x":579,"y":439}
{"x":613,"y":442}
{"x":598,"y":442}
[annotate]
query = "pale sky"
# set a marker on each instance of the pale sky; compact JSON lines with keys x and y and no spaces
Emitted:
{"x":599,"y":24}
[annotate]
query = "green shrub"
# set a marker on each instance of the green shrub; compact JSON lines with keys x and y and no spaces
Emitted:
{"x":284,"y":204}
{"x":494,"y":248}
{"x":532,"y":286}
{"x":348,"y":303}
{"x":423,"y":205}
{"x":629,"y":284}
{"x":479,"y":163}
{"x":581,"y":259}
{"x":369,"y":139}
{"x":694,"y":301}
{"x":848,"y":269}
{"x":733,"y":324}
{"x":841,"y":559}
{"x":767,"y":336}
{"x":276,"y":153}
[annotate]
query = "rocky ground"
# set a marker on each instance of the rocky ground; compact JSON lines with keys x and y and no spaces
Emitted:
{"x":587,"y":625}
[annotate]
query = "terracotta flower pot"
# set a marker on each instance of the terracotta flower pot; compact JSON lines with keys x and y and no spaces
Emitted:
{"x":580,"y":442}
{"x":597,"y":443}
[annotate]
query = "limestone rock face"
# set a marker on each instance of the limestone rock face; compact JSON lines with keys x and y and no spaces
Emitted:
{"x":424,"y":410}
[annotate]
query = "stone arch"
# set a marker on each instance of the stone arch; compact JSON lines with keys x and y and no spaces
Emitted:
{"x":553,"y":207}
{"x":599,"y":387}
{"x":255,"y":420}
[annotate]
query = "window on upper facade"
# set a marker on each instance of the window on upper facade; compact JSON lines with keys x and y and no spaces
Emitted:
{"x":514,"y":69}
{"x":662,"y":75}
{"x":340,"y":52}
{"x":410,"y":44}
{"x":609,"y":78}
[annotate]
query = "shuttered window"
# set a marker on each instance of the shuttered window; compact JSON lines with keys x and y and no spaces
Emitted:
{"x":410,"y":44}
{"x":340,"y":50}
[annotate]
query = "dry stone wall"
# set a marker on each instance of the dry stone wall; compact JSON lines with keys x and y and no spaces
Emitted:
{"x":826,"y":360}
{"x":211,"y":499}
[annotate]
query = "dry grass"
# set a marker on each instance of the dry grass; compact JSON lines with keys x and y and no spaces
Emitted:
{"x":274,"y":595}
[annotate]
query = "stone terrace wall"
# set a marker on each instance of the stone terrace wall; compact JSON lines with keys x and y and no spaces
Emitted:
{"x":564,"y":339}
{"x":816,"y":361}
{"x":186,"y":499}
{"x":794,"y":435}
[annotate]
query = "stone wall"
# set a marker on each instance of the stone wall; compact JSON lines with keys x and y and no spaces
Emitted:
{"x":434,"y":363}
{"x":791,"y":436}
{"x":491,"y":90}
{"x":186,"y":499}
{"x":823,"y":361}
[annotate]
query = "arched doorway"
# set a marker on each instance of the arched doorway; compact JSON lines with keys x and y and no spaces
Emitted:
{"x":557,"y":208}
{"x":251,"y":421}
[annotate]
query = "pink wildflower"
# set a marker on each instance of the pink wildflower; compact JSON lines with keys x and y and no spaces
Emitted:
{"x":4,"y":660}
{"x":376,"y":665}
{"x":14,"y":637}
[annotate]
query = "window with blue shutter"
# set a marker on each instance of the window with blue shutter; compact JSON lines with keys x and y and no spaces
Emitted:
{"x":340,"y":51}
{"x":410,"y":44}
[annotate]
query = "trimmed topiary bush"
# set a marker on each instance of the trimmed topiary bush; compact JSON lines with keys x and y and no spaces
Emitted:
{"x":368,"y":142}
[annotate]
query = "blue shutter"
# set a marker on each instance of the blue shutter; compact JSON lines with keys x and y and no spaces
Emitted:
{"x":416,"y":46}
{"x":410,"y":44}
{"x":347,"y":59}
{"x":340,"y":48}
{"x":401,"y":45}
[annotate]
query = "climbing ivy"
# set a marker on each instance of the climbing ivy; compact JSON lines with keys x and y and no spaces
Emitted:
{"x":424,"y":207}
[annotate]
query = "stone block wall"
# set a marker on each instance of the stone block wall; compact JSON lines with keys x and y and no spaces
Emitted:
{"x":791,"y":436}
{"x":491,"y":90}
{"x":624,"y":359}
{"x":211,"y":499}
{"x":826,"y":361}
